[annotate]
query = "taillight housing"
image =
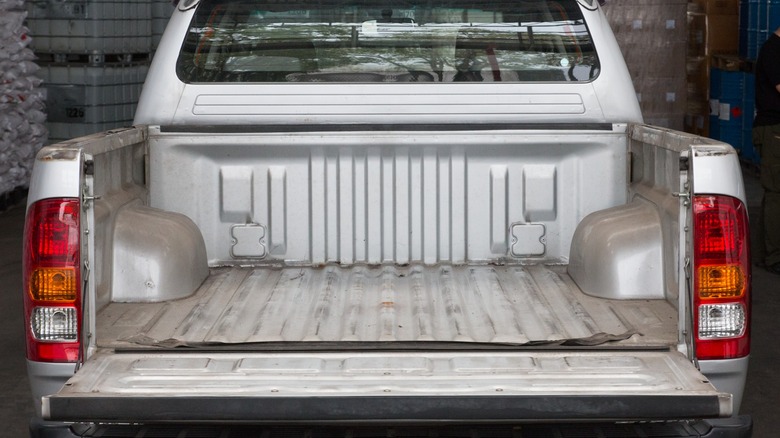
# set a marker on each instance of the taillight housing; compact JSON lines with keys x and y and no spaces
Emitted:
{"x":721,"y":277}
{"x":52,"y":280}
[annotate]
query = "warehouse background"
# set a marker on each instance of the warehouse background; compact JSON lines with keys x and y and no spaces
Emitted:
{"x":76,"y":67}
{"x":692,"y":62}
{"x":70,"y":68}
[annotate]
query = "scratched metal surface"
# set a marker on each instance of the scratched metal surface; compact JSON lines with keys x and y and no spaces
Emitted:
{"x":515,"y":304}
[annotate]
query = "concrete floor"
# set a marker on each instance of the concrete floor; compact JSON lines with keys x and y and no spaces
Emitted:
{"x":15,"y":400}
{"x":761,"y":400}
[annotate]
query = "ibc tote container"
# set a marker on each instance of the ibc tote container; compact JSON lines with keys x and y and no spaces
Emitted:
{"x":90,"y":26}
{"x":85,"y":99}
{"x":161,"y":13}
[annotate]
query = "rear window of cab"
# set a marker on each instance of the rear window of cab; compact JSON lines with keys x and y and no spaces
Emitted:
{"x":389,"y":42}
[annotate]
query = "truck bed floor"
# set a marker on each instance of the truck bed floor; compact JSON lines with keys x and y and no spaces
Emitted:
{"x":252,"y":383}
{"x":507,"y":304}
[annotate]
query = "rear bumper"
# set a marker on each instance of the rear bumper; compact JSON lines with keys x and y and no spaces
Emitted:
{"x":737,"y":427}
{"x":395,"y":409}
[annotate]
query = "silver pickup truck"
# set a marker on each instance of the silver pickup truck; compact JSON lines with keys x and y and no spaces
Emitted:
{"x":369,"y":218}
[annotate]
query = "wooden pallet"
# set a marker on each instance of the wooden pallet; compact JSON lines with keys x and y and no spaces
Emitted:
{"x":730,"y":62}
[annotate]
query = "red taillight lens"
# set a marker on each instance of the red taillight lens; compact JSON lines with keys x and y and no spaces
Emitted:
{"x":52,"y":280}
{"x":721,"y":277}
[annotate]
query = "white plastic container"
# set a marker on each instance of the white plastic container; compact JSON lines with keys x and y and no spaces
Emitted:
{"x":90,"y":26}
{"x":84,"y":99}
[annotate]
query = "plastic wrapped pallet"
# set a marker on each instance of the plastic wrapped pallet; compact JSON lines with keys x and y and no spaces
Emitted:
{"x":654,"y":29}
{"x":22,"y":102}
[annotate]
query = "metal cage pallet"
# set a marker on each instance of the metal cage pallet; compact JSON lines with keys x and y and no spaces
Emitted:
{"x":84,"y":99}
{"x":85,"y":26}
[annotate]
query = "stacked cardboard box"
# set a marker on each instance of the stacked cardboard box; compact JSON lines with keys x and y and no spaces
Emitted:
{"x":713,"y":30}
{"x":652,"y":35}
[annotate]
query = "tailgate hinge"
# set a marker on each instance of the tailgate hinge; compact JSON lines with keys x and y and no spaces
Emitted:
{"x":684,"y":195}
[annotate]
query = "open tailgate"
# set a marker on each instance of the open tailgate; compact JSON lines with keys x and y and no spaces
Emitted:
{"x":386,"y":386}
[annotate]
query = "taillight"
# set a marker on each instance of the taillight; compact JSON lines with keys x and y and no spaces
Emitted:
{"x":52,"y":280}
{"x":721,"y":277}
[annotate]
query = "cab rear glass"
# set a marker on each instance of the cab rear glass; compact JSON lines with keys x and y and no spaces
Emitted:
{"x":388,"y":42}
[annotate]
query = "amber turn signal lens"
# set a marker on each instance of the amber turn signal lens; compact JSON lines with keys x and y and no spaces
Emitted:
{"x":53,"y":284}
{"x":721,"y":281}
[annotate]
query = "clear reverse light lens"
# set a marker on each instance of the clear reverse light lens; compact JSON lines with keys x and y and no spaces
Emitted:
{"x":718,"y":321}
{"x":55,"y":324}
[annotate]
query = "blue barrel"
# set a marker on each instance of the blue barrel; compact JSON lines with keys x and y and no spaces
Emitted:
{"x":731,"y":111}
{"x":732,"y":85}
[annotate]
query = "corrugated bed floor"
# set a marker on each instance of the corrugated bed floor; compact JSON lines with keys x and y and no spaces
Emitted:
{"x":507,"y":304}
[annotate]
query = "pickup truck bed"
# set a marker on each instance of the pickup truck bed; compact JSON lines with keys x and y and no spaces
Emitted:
{"x":320,"y":333}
